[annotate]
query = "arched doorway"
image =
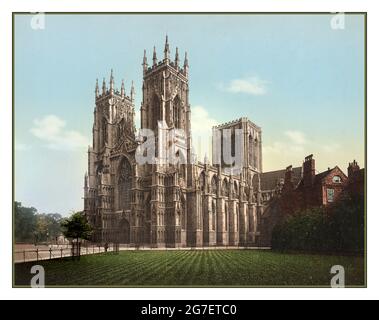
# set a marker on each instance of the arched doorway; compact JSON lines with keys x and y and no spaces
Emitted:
{"x":124,"y":231}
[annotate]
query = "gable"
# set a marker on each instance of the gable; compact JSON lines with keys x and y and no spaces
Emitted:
{"x":331,"y":176}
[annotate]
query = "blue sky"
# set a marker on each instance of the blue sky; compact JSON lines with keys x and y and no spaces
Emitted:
{"x":293,"y":75}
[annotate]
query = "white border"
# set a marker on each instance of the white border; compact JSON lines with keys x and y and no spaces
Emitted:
{"x":6,"y":8}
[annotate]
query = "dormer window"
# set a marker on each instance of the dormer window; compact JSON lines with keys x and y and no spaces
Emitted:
{"x":337,"y":179}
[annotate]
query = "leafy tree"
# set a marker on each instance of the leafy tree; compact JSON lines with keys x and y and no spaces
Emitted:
{"x":41,"y":229}
{"x":76,"y":227}
{"x":24,"y":222}
{"x":31,"y":226}
{"x":54,"y":225}
{"x":48,"y":226}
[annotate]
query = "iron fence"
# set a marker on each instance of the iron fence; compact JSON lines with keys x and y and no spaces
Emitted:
{"x":54,"y":252}
{"x":71,"y":250}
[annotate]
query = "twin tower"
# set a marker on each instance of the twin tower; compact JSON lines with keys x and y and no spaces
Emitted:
{"x":162,"y":204}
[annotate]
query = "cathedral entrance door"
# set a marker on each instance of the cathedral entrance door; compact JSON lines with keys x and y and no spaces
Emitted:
{"x":124,"y":231}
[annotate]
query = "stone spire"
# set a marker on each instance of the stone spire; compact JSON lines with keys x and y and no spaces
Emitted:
{"x":154,"y":57}
{"x":177,"y":61}
{"x":111,"y":83}
{"x":97,"y":88}
{"x":104,"y":87}
{"x":132,"y":92}
{"x":167,"y":49}
{"x":144,"y":61}
{"x":122,"y":89}
{"x":185,"y":66}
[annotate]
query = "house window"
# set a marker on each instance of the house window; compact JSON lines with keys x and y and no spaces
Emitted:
{"x":330,"y":195}
{"x":337,"y":179}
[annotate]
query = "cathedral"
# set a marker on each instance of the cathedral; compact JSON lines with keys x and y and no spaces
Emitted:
{"x":157,"y":203}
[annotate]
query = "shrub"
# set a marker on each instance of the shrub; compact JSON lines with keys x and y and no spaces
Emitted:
{"x":338,"y":228}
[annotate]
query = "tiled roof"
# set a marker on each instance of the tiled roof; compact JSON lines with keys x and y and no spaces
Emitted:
{"x":322,"y":175}
{"x":269,"y":180}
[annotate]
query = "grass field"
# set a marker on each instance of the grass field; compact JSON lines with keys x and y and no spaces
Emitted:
{"x":195,"y":268}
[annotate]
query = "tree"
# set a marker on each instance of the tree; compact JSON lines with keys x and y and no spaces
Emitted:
{"x":77,"y":227}
{"x":41,"y":229}
{"x":25,"y":220}
{"x":48,"y":226}
{"x":31,"y":226}
{"x":54,"y":225}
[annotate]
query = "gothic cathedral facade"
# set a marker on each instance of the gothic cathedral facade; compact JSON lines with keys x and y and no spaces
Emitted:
{"x":160,"y":204}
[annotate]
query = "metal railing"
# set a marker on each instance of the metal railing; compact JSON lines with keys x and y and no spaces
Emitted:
{"x":55,"y":252}
{"x":58,"y":252}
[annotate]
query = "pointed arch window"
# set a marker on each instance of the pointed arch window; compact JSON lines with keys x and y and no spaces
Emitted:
{"x":255,"y":164}
{"x":202,"y":181}
{"x":155,"y":112}
{"x":251,"y":147}
{"x":121,"y":130}
{"x":176,"y":112}
{"x":236,"y":191}
{"x":105,"y":131}
{"x":214,"y":185}
{"x":213,"y":215}
{"x":225,"y":188}
{"x":125,"y":185}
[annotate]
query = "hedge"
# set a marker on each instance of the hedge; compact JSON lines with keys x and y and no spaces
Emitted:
{"x":339,"y":228}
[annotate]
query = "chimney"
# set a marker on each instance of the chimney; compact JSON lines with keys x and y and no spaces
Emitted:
{"x":309,"y":171}
{"x":353,"y":167}
{"x":288,"y":179}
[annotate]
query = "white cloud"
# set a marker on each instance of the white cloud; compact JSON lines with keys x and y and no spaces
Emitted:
{"x":201,"y":127}
{"x":295,"y":143}
{"x":288,"y":151}
{"x":52,"y":130}
{"x":296,"y":137}
{"x":252,"y":86}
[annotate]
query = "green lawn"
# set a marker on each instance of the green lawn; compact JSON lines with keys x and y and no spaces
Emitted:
{"x":195,"y":268}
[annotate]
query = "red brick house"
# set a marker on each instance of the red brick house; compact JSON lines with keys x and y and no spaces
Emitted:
{"x":285,"y":192}
{"x":321,"y":189}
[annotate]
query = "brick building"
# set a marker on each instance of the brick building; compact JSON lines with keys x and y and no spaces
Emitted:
{"x":287,"y":191}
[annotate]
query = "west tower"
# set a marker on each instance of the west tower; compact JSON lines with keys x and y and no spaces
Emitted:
{"x":108,"y":188}
{"x":165,"y":96}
